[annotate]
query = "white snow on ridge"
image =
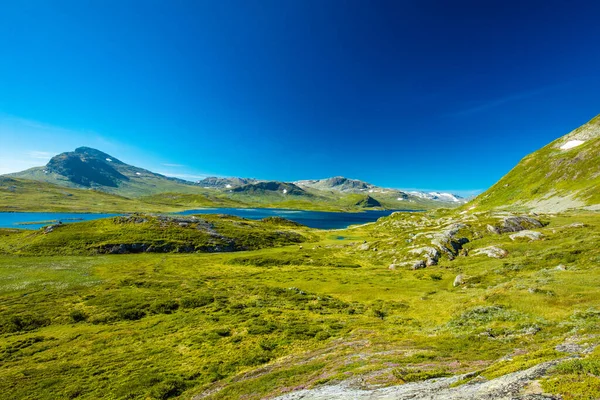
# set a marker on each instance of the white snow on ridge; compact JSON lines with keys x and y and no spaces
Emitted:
{"x":571,"y":143}
{"x":438,"y":196}
{"x":284,"y":191}
{"x":108,"y":159}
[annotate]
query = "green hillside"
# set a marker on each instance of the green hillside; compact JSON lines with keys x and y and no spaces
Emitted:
{"x":553,"y":179}
{"x":140,"y":233}
{"x":27,"y":195}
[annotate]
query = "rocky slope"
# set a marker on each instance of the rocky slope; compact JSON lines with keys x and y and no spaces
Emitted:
{"x":224,"y":183}
{"x":271,"y":187}
{"x":563,"y":175}
{"x":337,"y":183}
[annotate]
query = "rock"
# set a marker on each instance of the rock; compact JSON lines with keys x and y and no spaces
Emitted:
{"x":183,"y":224}
{"x":531,"y":235}
{"x":392,"y":267}
{"x":515,"y":224}
{"x":419,"y":265}
{"x":364,"y":247}
{"x":576,"y":225}
{"x":561,"y":267}
{"x":509,"y":386}
{"x":571,"y":348}
{"x":491,"y":251}
{"x":432,"y":255}
{"x":51,"y":228}
{"x":459,"y":280}
{"x":493,"y":229}
{"x":531,"y":330}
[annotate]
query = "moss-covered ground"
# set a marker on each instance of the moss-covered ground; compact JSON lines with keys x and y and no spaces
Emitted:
{"x":253,"y":324}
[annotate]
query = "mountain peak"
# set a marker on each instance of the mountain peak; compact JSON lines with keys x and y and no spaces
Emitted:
{"x":90,"y":152}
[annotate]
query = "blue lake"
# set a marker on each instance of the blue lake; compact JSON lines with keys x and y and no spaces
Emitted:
{"x":313,"y":219}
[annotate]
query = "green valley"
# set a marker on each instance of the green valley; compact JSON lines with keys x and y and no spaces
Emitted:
{"x":482,"y":301}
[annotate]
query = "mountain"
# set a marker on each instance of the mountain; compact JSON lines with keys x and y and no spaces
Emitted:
{"x":224,"y":183}
{"x":271,"y":187}
{"x":88,"y":168}
{"x":91,"y":169}
{"x":447,"y":197}
{"x":337,"y":183}
{"x":563,"y":175}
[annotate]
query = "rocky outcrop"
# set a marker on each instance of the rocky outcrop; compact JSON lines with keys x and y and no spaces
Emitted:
{"x":515,"y":224}
{"x":531,"y":235}
{"x":491,"y":251}
{"x":432,"y":254}
{"x":459,"y":280}
{"x":449,"y":241}
{"x":507,"y":387}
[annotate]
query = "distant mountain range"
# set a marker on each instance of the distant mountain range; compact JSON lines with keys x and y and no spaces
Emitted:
{"x":87,"y":168}
{"x":563,"y":175}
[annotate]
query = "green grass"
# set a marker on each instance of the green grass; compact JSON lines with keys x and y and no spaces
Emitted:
{"x":256,"y":323}
{"x":156,"y":234}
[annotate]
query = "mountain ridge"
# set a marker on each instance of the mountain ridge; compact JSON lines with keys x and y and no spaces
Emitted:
{"x":560,"y":176}
{"x":88,"y":168}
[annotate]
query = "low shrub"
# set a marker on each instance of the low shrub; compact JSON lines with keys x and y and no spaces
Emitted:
{"x":164,"y":307}
{"x":23,"y":323}
{"x":78,"y":316}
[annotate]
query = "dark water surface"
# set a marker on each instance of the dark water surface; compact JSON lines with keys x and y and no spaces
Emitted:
{"x":313,"y":219}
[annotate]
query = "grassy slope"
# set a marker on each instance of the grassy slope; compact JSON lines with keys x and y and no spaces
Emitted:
{"x":209,"y":233}
{"x":550,"y":171}
{"x":262,"y":322}
{"x":27,"y":195}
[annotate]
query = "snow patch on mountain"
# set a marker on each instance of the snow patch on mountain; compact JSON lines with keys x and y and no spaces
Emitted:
{"x":571,"y":143}
{"x":439,"y":196}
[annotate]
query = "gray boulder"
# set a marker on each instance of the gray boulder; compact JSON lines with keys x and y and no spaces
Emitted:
{"x":491,"y":251}
{"x":531,"y":235}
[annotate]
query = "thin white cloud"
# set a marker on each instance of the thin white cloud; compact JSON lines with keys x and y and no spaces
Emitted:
{"x":40,"y":155}
{"x":187,"y":177}
{"x":173,"y":165}
{"x":488,"y":104}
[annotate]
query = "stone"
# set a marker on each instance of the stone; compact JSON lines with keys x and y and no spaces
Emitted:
{"x":531,"y":235}
{"x":493,"y":229}
{"x":491,"y":251}
{"x":459,"y":280}
{"x":419,"y":265}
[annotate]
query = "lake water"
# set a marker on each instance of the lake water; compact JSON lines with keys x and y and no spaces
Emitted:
{"x":313,"y":219}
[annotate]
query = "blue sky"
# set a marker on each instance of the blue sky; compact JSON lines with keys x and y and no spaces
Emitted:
{"x":408,"y":94}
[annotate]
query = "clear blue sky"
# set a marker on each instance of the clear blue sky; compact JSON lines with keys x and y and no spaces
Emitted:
{"x":413,"y":94}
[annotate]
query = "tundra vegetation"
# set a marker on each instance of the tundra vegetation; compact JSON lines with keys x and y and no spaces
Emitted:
{"x":298,"y":308}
